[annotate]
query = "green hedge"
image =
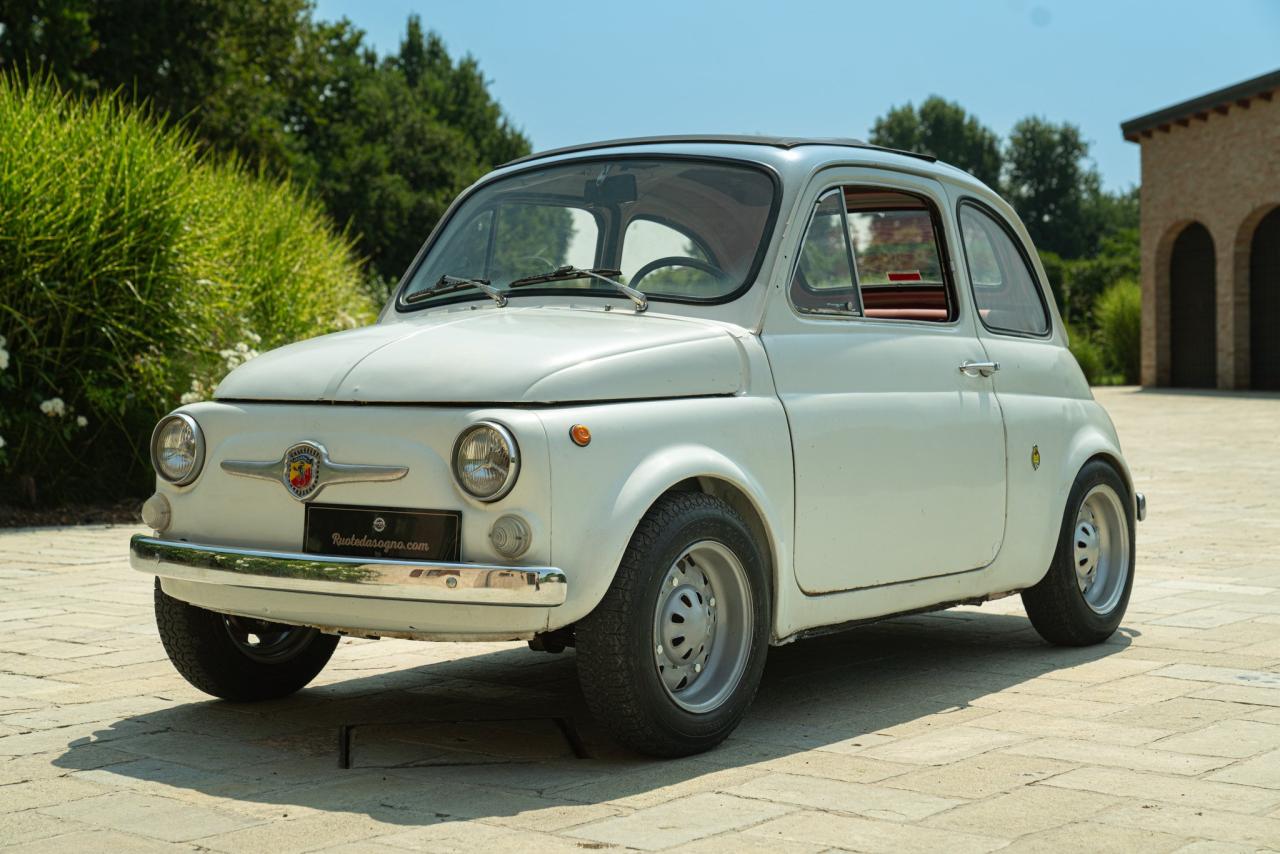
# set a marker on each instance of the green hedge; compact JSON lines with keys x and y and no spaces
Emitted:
{"x":133,"y":273}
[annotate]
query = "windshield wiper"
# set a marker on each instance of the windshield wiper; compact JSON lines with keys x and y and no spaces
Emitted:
{"x":604,"y":275}
{"x":449,"y":284}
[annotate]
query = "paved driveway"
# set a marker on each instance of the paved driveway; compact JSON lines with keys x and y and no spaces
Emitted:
{"x":957,"y":731}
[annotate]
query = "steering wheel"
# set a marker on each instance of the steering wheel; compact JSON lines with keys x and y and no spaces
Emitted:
{"x":677,"y":261}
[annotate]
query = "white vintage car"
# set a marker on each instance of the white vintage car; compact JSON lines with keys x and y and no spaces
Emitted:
{"x":668,"y":401}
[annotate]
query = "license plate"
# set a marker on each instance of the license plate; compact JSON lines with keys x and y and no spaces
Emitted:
{"x":335,"y":529}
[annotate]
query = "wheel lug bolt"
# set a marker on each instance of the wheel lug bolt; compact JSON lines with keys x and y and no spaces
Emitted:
{"x":712,"y":603}
{"x":659,"y":649}
{"x":697,"y":667}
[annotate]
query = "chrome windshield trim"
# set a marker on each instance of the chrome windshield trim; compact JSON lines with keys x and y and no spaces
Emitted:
{"x":338,"y":575}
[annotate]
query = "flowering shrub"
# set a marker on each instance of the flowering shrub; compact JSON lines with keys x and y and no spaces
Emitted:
{"x":134,"y":274}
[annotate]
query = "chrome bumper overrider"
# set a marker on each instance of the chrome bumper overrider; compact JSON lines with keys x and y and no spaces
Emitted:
{"x":405,"y":580}
{"x":1142,"y":507}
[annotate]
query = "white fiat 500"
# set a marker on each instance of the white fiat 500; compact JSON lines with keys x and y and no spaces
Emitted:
{"x":668,"y":401}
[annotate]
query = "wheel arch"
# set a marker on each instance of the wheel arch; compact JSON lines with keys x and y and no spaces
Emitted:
{"x":703,"y":469}
{"x":1089,"y":444}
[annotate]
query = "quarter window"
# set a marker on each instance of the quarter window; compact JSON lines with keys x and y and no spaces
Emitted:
{"x":823,"y":281}
{"x":1004,"y":287}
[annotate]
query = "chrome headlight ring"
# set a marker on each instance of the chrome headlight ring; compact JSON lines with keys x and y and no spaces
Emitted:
{"x":486,"y":461}
{"x":177,"y":449}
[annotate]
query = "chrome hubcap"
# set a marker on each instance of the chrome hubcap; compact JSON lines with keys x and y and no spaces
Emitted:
{"x":1101,"y":549}
{"x":702,"y":626}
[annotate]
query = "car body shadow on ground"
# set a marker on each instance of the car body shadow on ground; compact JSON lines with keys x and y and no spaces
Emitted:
{"x":504,"y":733}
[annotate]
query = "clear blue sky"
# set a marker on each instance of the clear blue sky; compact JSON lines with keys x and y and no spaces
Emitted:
{"x":576,"y":71}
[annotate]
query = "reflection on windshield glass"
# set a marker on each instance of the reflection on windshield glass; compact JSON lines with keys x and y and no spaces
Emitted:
{"x":679,"y":228}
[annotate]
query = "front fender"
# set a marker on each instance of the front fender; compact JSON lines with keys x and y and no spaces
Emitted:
{"x":640,"y":450}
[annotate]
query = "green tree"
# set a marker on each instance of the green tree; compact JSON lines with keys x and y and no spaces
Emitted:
{"x":942,"y":128}
{"x":1051,"y":184}
{"x":222,"y":66}
{"x":385,"y":144}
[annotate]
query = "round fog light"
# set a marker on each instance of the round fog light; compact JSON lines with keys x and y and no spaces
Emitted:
{"x":155,"y":512}
{"x":510,"y":536}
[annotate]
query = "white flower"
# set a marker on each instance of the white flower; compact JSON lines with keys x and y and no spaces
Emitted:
{"x":1,"y":441}
{"x":237,"y":355}
{"x":4,"y":355}
{"x":81,"y":421}
{"x":54,"y":407}
{"x":196,"y":394}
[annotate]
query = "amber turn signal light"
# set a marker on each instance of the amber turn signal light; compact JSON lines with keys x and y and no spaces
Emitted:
{"x":580,"y":435}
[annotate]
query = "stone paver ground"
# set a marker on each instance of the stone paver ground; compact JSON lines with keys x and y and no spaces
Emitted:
{"x":957,"y":731}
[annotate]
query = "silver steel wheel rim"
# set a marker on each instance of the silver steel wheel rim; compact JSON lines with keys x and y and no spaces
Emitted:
{"x":266,"y":642}
{"x":1100,"y":549}
{"x":702,"y":627}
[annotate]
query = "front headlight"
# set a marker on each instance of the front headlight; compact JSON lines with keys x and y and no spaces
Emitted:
{"x":177,"y":449}
{"x":486,"y":460}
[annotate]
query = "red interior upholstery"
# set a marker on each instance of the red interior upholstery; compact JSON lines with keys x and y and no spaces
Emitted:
{"x":927,"y":302}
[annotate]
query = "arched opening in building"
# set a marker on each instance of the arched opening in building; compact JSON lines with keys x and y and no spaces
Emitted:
{"x":1193,"y":310}
{"x":1264,"y":304}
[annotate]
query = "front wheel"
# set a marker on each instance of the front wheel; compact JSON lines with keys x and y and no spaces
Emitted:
{"x":238,"y":658}
{"x":671,"y":658}
{"x":1082,"y":598}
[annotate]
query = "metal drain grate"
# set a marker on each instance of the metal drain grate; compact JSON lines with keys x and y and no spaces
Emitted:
{"x":424,"y":743}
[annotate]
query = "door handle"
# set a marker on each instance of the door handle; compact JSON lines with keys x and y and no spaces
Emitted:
{"x":979,"y":369}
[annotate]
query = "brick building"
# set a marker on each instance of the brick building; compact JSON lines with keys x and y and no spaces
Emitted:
{"x":1210,"y":238}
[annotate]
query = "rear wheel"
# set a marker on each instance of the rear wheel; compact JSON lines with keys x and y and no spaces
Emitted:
{"x":671,"y":658}
{"x":239,"y":658}
{"x":1083,"y":597}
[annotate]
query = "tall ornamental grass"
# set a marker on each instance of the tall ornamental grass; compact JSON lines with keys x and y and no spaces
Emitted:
{"x":1118,"y":313}
{"x":134,"y":272}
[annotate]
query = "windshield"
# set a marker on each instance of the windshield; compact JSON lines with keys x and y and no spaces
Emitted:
{"x":687,"y":230}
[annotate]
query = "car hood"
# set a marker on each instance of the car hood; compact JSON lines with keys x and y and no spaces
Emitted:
{"x":539,"y":354}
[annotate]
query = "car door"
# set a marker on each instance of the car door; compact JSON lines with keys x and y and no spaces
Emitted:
{"x":897,"y":436}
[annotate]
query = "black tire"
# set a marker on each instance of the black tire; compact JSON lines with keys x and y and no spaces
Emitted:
{"x":1057,"y":606}
{"x":201,"y":645}
{"x":616,"y":642}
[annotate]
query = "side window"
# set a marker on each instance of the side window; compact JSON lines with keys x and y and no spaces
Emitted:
{"x":823,"y":281}
{"x":1004,"y":287}
{"x":898,"y":256}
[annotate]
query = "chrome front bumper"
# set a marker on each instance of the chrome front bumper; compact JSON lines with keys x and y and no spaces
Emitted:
{"x":402,"y":580}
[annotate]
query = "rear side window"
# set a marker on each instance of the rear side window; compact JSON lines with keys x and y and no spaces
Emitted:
{"x":1004,"y":287}
{"x":892,"y":240}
